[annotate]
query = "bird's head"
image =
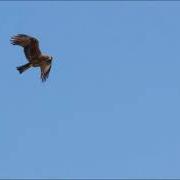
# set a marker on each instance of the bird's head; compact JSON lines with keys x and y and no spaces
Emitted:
{"x":49,"y":59}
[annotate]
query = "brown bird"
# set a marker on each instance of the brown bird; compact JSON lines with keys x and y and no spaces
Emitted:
{"x":33,"y":55}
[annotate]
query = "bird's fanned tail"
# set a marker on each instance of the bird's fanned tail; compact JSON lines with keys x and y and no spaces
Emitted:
{"x":23,"y":68}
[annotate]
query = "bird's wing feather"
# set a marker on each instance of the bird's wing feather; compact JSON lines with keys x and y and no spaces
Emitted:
{"x":45,"y":69}
{"x":30,"y":45}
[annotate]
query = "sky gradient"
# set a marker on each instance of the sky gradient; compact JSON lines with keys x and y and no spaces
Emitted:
{"x":110,"y":108}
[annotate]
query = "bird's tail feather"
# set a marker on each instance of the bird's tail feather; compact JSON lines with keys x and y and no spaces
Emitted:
{"x":23,"y":68}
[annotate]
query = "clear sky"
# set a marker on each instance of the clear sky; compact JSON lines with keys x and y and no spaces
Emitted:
{"x":111,"y":105}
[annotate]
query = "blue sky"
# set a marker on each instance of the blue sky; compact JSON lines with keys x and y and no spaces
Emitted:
{"x":110,"y":108}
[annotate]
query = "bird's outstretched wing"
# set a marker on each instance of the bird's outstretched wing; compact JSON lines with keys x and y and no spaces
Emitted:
{"x":45,"y":69}
{"x":30,"y":45}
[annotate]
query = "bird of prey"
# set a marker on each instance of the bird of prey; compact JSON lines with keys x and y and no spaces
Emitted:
{"x":33,"y":55}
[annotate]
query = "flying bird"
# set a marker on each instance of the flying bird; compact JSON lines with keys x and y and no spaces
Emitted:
{"x":33,"y":55}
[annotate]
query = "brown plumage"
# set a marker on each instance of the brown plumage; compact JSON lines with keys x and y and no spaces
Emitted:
{"x":33,"y":55}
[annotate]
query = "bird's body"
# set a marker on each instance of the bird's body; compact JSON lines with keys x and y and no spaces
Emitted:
{"x":33,"y":55}
{"x":36,"y":62}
